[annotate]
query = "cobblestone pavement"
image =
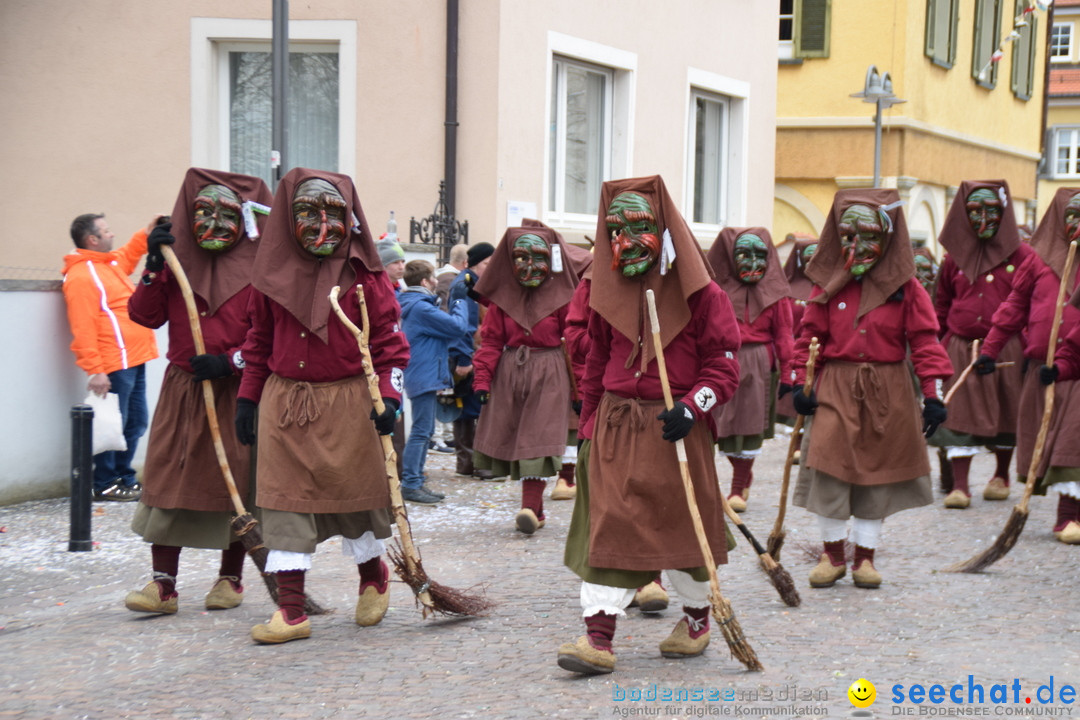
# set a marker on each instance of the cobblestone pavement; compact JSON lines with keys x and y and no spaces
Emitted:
{"x":71,"y":650}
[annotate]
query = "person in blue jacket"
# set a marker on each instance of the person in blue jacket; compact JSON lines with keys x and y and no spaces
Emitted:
{"x":461,"y":353}
{"x":430,"y":332}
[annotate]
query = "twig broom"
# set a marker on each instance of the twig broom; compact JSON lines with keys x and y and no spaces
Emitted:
{"x":430,"y":595}
{"x":721,"y":608}
{"x":778,"y":576}
{"x":244,"y":524}
{"x":776,"y":538}
{"x":1015,"y":524}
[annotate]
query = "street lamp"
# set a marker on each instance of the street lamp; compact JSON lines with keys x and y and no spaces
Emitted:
{"x":878,"y":90}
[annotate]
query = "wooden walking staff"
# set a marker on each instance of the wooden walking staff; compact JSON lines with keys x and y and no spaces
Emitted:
{"x":432,"y":597}
{"x":721,"y":608}
{"x":776,"y":537}
{"x":1015,"y":524}
{"x":244,"y":525}
{"x":964,"y":375}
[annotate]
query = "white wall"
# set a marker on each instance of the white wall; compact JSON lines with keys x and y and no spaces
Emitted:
{"x":42,"y":384}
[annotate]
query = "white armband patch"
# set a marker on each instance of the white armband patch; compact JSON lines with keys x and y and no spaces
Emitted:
{"x":939,"y":387}
{"x":705,"y":398}
{"x":238,"y":360}
{"x":397,"y":379}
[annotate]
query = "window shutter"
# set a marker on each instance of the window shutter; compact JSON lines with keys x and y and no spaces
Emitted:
{"x":941,"y":23}
{"x":954,"y":24}
{"x":987,"y":25}
{"x":812,"y":28}
{"x":1023,"y":56}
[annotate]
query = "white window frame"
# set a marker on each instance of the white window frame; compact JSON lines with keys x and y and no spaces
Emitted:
{"x":1074,"y":131}
{"x":786,"y":49}
{"x":1067,"y":57}
{"x":618,"y":150}
{"x":211,"y":41}
{"x":735,"y":163}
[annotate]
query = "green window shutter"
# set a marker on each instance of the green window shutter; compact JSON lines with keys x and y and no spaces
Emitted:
{"x":987,"y":29}
{"x":941,"y":23}
{"x":954,"y":25}
{"x":812,"y":28}
{"x":1023,"y":55}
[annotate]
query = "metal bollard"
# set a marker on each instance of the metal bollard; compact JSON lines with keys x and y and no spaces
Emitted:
{"x":82,"y":477}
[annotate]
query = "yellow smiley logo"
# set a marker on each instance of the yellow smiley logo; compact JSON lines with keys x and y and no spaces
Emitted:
{"x":862,"y":693}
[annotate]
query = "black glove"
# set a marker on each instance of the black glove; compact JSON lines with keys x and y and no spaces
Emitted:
{"x":933,"y":414}
{"x":208,"y":367}
{"x":483,"y":396}
{"x":678,"y":421}
{"x":985,"y":365}
{"x":784,"y":390}
{"x":245,"y":421}
{"x":1048,"y":374}
{"x":576,"y":405}
{"x":385,"y":423}
{"x":804,"y":404}
{"x":159,"y":236}
{"x":474,"y":295}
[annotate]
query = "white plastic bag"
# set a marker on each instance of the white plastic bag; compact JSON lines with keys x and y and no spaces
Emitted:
{"x":108,"y":423}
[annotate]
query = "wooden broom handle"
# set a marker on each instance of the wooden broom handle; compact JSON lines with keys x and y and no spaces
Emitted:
{"x":397,"y":505}
{"x":207,"y":388}
{"x":1051,"y":350}
{"x":680,"y":450}
{"x":793,"y":444}
{"x":964,"y":375}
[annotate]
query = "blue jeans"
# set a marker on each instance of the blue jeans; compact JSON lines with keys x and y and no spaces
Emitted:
{"x":423,"y":427}
{"x":110,"y":467}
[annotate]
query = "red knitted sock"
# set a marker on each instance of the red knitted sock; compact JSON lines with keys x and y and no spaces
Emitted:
{"x":291,"y":595}
{"x":166,"y":564}
{"x":232,"y":564}
{"x":374,"y":572}
{"x":960,"y":468}
{"x":698,"y":620}
{"x":1068,"y":509}
{"x":567,"y":473}
{"x":862,"y":553}
{"x":601,"y":630}
{"x":742,"y":475}
{"x":1004,"y":457}
{"x":835,"y":551}
{"x":532,"y":495}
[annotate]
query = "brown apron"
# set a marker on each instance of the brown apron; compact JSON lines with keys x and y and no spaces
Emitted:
{"x":182,"y":469}
{"x":1062,"y":448}
{"x":868,"y":425}
{"x":985,"y":405}
{"x":639,"y":519}
{"x":527,"y":416}
{"x":747,"y":411}
{"x":318,"y":449}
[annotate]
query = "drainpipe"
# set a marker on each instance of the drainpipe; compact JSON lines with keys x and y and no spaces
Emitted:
{"x":450,"y":123}
{"x":279,"y":69}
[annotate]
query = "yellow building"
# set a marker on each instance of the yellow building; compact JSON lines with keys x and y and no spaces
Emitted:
{"x":1062,"y":165}
{"x":969,"y":74}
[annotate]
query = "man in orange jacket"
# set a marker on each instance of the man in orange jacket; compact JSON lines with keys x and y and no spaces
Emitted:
{"x":108,"y":346}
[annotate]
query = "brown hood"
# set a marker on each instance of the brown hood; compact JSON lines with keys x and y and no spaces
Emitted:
{"x":217,"y":276}
{"x":620,"y":300}
{"x":1049,"y":240}
{"x":795,"y":270}
{"x":895,"y":267}
{"x":527,"y":306}
{"x":296,"y":279}
{"x":974,"y":256}
{"x":748,"y":299}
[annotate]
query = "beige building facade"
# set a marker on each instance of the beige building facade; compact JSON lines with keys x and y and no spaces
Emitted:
{"x":110,"y":101}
